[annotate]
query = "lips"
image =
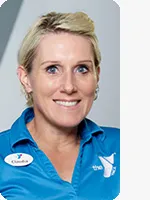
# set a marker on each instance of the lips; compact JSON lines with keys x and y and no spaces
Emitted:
{"x":67,"y":103}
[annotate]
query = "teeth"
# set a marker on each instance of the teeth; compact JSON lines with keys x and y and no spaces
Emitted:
{"x":67,"y":103}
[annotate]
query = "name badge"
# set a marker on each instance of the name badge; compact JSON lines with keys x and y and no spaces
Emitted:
{"x":1,"y":197}
{"x":18,"y":159}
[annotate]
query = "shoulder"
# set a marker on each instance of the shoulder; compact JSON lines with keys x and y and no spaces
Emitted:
{"x":111,"y":139}
{"x":111,"y":133}
{"x":4,"y":135}
{"x":4,"y":141}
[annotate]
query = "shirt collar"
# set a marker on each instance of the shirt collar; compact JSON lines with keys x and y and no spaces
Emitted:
{"x":19,"y":131}
{"x":88,"y":128}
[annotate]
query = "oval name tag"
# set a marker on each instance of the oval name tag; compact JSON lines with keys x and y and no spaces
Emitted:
{"x":18,"y":159}
{"x":1,"y":197}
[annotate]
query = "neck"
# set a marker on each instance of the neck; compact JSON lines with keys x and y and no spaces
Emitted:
{"x":52,"y":137}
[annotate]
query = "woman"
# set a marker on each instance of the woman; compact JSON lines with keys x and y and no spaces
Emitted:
{"x":53,"y":151}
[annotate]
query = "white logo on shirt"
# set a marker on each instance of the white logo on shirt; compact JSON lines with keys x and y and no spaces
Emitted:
{"x":96,"y":167}
{"x":108,"y":162}
{"x":1,"y":197}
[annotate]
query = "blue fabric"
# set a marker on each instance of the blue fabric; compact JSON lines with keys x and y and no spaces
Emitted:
{"x":39,"y":180}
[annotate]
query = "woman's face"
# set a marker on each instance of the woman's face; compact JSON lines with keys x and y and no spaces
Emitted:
{"x":63,"y":79}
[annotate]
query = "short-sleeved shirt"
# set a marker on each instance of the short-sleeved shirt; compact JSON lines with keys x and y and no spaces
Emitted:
{"x":96,"y":173}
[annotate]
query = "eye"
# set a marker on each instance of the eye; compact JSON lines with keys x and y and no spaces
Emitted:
{"x":82,"y":69}
{"x":53,"y":69}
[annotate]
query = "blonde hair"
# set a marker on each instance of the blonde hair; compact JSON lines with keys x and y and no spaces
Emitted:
{"x":77,"y":23}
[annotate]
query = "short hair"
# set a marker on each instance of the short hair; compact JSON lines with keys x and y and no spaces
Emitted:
{"x":78,"y":23}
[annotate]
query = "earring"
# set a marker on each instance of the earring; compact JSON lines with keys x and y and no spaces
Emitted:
{"x":96,"y":92}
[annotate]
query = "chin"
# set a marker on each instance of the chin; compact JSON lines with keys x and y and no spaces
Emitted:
{"x":68,"y":123}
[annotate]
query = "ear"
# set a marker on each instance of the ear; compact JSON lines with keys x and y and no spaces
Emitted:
{"x":98,"y":72}
{"x":24,"y":78}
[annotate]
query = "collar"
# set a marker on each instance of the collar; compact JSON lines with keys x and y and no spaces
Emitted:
{"x":87,"y":129}
{"x":19,"y":131}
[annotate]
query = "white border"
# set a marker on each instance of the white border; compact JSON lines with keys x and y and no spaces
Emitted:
{"x":1,"y":2}
{"x":117,"y":2}
{"x":135,"y":100}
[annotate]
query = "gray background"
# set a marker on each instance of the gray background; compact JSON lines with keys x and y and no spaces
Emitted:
{"x":15,"y":19}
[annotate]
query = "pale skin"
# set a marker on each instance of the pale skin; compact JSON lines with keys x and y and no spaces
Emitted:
{"x":63,"y":71}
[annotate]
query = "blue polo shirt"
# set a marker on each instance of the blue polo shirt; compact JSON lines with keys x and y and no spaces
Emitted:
{"x":95,"y":176}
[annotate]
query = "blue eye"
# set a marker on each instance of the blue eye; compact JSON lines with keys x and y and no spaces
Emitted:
{"x":82,"y":69}
{"x":52,"y":69}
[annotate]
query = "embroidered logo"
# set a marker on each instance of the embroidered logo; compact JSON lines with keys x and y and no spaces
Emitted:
{"x":107,"y":162}
{"x":1,"y":197}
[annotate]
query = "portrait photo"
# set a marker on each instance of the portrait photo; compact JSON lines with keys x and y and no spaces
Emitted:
{"x":60,"y":100}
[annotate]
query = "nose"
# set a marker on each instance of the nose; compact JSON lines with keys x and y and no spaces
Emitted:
{"x":68,"y":84}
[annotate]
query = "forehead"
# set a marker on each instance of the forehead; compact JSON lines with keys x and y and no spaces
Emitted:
{"x":64,"y":46}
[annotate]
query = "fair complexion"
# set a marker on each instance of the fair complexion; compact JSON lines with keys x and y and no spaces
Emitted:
{"x":63,"y":82}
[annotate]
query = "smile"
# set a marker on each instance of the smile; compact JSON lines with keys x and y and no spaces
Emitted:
{"x":67,"y":103}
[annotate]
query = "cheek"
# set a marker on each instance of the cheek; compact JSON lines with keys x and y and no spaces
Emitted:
{"x":89,"y":88}
{"x":43,"y":87}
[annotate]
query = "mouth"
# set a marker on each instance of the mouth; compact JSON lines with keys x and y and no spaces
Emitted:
{"x":67,"y":103}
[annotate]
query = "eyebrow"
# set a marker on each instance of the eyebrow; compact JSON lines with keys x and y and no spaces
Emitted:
{"x":56,"y":61}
